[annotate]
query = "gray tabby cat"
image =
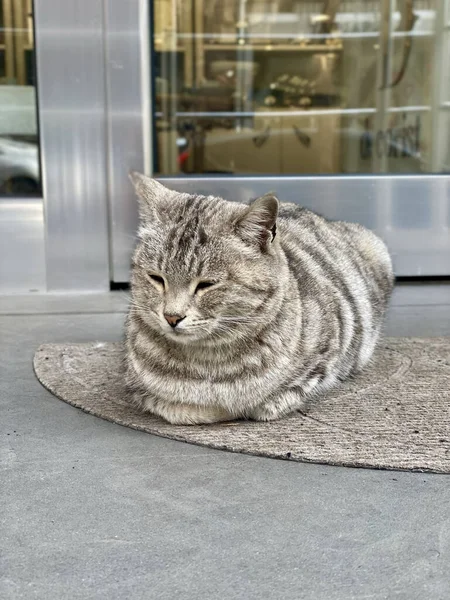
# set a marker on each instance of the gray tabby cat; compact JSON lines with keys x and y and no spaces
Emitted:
{"x":245,"y":311}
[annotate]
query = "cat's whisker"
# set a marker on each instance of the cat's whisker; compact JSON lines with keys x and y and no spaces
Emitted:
{"x":241,"y":317}
{"x":142,"y":310}
{"x":233,"y":321}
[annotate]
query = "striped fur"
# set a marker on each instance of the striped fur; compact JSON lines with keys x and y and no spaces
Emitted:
{"x":296,"y":305}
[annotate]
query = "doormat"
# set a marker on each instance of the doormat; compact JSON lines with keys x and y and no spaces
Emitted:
{"x":395,"y":415}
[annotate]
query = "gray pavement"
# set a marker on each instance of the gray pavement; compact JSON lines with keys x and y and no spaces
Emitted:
{"x":89,"y":509}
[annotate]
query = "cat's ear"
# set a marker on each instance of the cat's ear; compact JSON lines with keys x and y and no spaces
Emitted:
{"x":258,"y":224}
{"x":151,"y":194}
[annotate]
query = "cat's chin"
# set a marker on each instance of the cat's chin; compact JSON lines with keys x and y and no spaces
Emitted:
{"x":183,"y":337}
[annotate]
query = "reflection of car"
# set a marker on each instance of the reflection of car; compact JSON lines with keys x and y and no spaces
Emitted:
{"x":19,"y":168}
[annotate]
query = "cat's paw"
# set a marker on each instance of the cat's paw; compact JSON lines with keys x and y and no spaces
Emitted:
{"x":268,"y":412}
{"x":186,"y":414}
{"x":278,"y":408}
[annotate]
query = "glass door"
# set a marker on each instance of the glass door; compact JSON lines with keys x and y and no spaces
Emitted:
{"x":290,"y":87}
{"x":342,"y":106}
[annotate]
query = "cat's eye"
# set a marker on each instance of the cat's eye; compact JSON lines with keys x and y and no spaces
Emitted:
{"x":203,"y":285}
{"x":157,"y":279}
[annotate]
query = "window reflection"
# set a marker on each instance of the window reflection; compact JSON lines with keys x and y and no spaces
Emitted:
{"x":296,"y":87}
{"x":19,"y":147}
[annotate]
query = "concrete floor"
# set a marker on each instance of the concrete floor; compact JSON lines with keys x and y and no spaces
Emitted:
{"x":94,"y":510}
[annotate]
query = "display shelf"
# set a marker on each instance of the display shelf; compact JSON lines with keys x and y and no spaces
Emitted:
{"x":273,"y":47}
{"x":298,"y":37}
{"x":295,"y":112}
{"x":294,"y":47}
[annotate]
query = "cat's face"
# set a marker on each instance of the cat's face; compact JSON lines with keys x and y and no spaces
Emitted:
{"x":204,"y":268}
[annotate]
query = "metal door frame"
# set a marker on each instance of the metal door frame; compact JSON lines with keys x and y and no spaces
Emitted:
{"x":70,"y":57}
{"x":129,"y":124}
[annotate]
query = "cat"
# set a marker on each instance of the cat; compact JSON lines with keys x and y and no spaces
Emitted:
{"x":246,"y":311}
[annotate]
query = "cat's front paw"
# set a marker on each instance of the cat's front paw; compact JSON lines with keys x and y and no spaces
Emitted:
{"x":266,"y":413}
{"x":277,"y":408}
{"x":187,"y":414}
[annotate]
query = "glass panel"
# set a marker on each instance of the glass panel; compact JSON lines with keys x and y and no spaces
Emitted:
{"x":295,"y":87}
{"x":19,"y":141}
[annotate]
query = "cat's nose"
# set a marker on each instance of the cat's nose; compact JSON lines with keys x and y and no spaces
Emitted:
{"x":173,"y":320}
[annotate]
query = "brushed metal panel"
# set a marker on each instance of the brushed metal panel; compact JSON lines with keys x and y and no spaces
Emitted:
{"x":22,"y":257}
{"x":127,"y":58}
{"x":71,"y":92}
{"x":411,"y":213}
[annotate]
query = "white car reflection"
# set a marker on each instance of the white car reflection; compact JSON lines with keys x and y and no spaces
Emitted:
{"x":19,"y":168}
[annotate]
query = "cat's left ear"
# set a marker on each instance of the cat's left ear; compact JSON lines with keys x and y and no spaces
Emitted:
{"x":151,"y":194}
{"x":259,"y":223}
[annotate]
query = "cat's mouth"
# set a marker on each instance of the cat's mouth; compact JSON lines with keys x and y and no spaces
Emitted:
{"x":183,"y":331}
{"x":183,"y":336}
{"x":205,"y":335}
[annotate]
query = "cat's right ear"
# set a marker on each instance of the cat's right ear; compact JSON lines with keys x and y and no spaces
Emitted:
{"x":151,"y":194}
{"x":258,"y":223}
